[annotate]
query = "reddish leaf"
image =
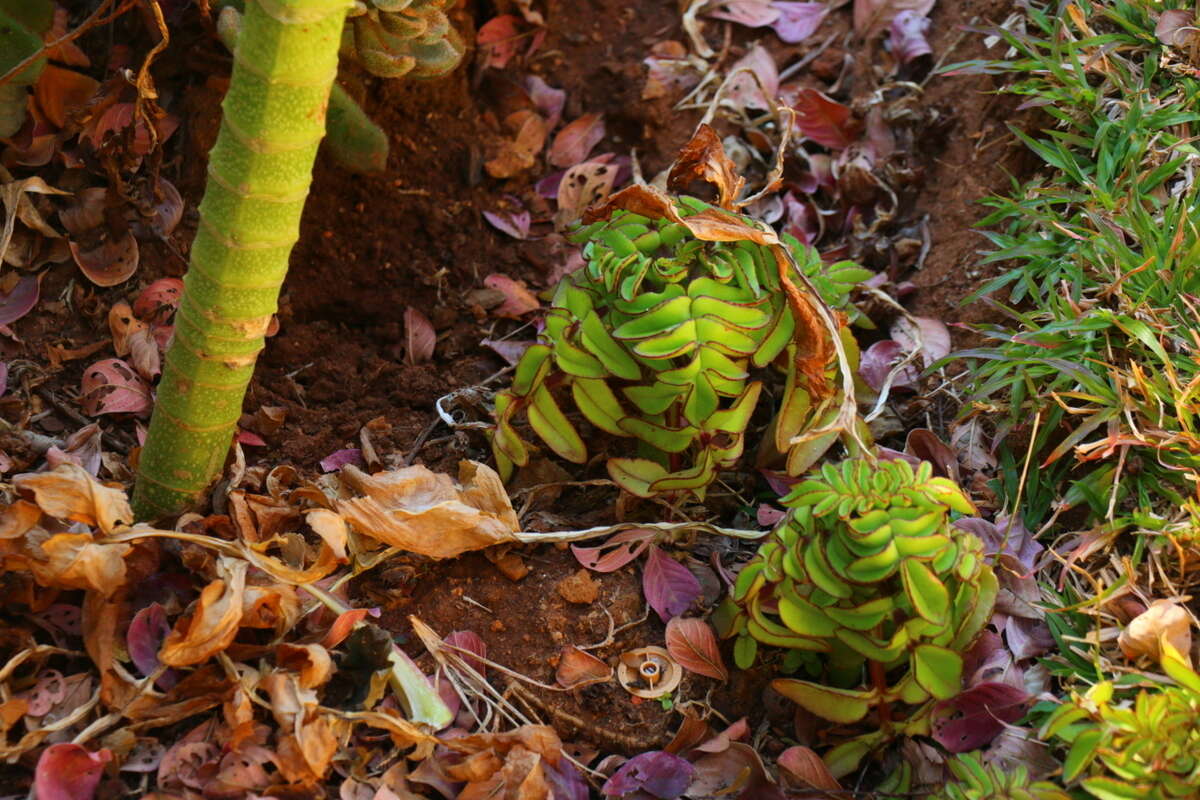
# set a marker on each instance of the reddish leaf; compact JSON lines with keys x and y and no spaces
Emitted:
{"x":21,"y":300}
{"x":49,"y":691}
{"x":655,"y":774}
{"x":825,"y":121}
{"x":877,"y":362}
{"x":975,"y":717}
{"x":419,"y":336}
{"x":625,"y":547}
{"x":86,"y":212}
{"x":548,"y":100}
{"x":756,"y":84}
{"x":693,"y":645}
{"x":66,"y":771}
{"x":768,"y":515}
{"x":577,"y":669}
{"x":469,"y":641}
{"x":576,"y":140}
{"x":670,"y":69}
{"x":669,"y":586}
{"x":933,"y":334}
{"x":517,"y":299}
{"x":515,"y":224}
{"x":344,"y":624}
{"x":110,"y":263}
{"x":1176,"y":27}
{"x":340,"y":458}
{"x":249,"y":438}
{"x":798,"y":21}
{"x":112,"y":387}
{"x":804,"y":769}
{"x":3,"y":377}
{"x":498,"y":40}
{"x":144,"y":638}
{"x":157,"y":302}
{"x":60,"y":91}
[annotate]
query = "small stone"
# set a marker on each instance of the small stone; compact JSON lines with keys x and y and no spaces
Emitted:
{"x":579,"y":588}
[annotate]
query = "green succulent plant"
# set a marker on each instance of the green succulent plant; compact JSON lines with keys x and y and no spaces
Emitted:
{"x":868,"y":583}
{"x":402,"y":38}
{"x":1146,"y":748}
{"x":655,"y":338}
{"x":977,"y":781}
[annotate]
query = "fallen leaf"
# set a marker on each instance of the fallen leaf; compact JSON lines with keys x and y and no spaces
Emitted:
{"x":907,"y":40}
{"x":573,"y":143}
{"x":768,"y":515}
{"x":157,"y":302}
{"x":111,"y":386}
{"x":49,"y":691}
{"x":340,"y":458}
{"x":751,"y":13}
{"x":1164,"y":620}
{"x":925,"y":445}
{"x":975,"y":717}
{"x":825,"y":121}
{"x":214,"y":620}
{"x":510,"y":350}
{"x":66,"y":771}
{"x":86,"y":212}
{"x":548,"y":100}
{"x":704,"y":158}
{"x":419,"y":336}
{"x":753,"y":82}
{"x":692,"y":643}
{"x":670,"y":69}
{"x":581,"y":186}
{"x":873,"y":16}
{"x":577,"y":668}
{"x":428,"y":513}
{"x":166,"y":210}
{"x":20,"y":300}
{"x":147,"y":630}
{"x":515,"y":224}
{"x":61,"y":91}
{"x":519,"y":153}
{"x":310,"y":662}
{"x":657,"y":773}
{"x":498,"y":40}
{"x":476,"y":648}
{"x":616,"y":552}
{"x":68,"y":492}
{"x":801,"y":768}
{"x":798,"y":21}
{"x":877,"y":363}
{"x":1176,"y":27}
{"x":670,"y":587}
{"x":518,"y":300}
{"x":931,"y":335}
{"x":109,"y":263}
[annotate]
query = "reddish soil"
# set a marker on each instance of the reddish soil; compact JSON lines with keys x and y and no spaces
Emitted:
{"x":414,"y":236}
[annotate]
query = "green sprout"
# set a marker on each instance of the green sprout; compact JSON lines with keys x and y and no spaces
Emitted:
{"x":655,"y":339}
{"x":873,"y":590}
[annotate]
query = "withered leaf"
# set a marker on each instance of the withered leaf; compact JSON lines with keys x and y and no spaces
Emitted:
{"x":69,"y":492}
{"x":214,"y":621}
{"x":703,"y":158}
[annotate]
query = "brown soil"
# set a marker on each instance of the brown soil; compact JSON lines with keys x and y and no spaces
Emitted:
{"x":414,"y":236}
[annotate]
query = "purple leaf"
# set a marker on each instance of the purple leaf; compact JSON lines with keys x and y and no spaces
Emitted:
{"x":1175,"y":27}
{"x":3,"y":377}
{"x":658,"y":773}
{"x":798,"y":21}
{"x":515,"y":224}
{"x":669,"y":586}
{"x":934,"y":337}
{"x":768,"y":515}
{"x":908,"y":40}
{"x":510,"y":350}
{"x":756,"y":82}
{"x":1027,"y":638}
{"x":877,"y":361}
{"x":872,"y":16}
{"x":548,"y":100}
{"x":21,"y":300}
{"x":566,"y":781}
{"x":470,"y":641}
{"x":573,"y":143}
{"x":340,"y":458}
{"x":1000,"y":537}
{"x":625,"y":547}
{"x":144,"y":638}
{"x":975,"y":717}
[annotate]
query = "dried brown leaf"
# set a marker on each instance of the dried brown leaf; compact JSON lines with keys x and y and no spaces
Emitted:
{"x":419,"y":336}
{"x":577,"y":138}
{"x":69,"y":492}
{"x":577,"y":668}
{"x":703,"y":158}
{"x":1163,"y":620}
{"x":77,"y":561}
{"x":214,"y":621}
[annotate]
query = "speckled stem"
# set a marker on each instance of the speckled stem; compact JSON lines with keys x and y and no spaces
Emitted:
{"x":258,"y":178}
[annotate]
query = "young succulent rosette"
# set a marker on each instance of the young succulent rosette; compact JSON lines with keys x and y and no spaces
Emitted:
{"x":402,"y":38}
{"x":1147,"y":747}
{"x":977,"y":781}
{"x":868,"y":583}
{"x":654,"y":339}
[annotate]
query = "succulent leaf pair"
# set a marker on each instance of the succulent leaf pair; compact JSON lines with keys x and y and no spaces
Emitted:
{"x":867,"y":571}
{"x":399,"y":38}
{"x":655,"y":338}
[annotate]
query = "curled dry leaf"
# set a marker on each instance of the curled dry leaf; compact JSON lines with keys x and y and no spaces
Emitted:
{"x":648,"y":672}
{"x":68,"y":492}
{"x":576,"y":140}
{"x":515,"y":224}
{"x":907,"y":37}
{"x":1164,"y":620}
{"x":703,"y":158}
{"x":419,"y":336}
{"x":111,"y":386}
{"x":77,"y":561}
{"x":428,"y":513}
{"x":134,"y":338}
{"x":112,"y":262}
{"x":213,"y":622}
{"x":311,"y":662}
{"x":157,"y":302}
{"x":577,"y":668}
{"x":517,"y":299}
{"x":165,"y":210}
{"x":693,"y":645}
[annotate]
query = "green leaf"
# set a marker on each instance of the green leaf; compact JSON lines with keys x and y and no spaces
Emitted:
{"x":1111,"y":789}
{"x":843,"y":706}
{"x":938,"y":670}
{"x":668,"y":440}
{"x":597,"y":339}
{"x":801,"y":616}
{"x":653,"y":400}
{"x":598,"y":403}
{"x":874,"y":568}
{"x":556,"y":430}
{"x":1082,"y":752}
{"x":863,"y":617}
{"x":745,"y":649}
{"x":928,"y":595}
{"x":635,"y":475}
{"x":663,"y":318}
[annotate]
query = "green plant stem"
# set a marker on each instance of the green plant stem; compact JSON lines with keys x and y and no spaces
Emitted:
{"x":259,"y":174}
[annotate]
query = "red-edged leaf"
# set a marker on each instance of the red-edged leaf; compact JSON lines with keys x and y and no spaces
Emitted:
{"x":499,"y":39}
{"x":975,"y":717}
{"x":21,"y":300}
{"x":692,"y":643}
{"x":66,"y":771}
{"x":669,"y":586}
{"x":517,"y":299}
{"x":548,"y":100}
{"x":157,"y":302}
{"x":113,"y":387}
{"x":576,"y":140}
{"x":110,"y":263}
{"x":825,"y":121}
{"x":469,"y":641}
{"x":419,"y":336}
{"x":798,"y":21}
{"x":615,"y":553}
